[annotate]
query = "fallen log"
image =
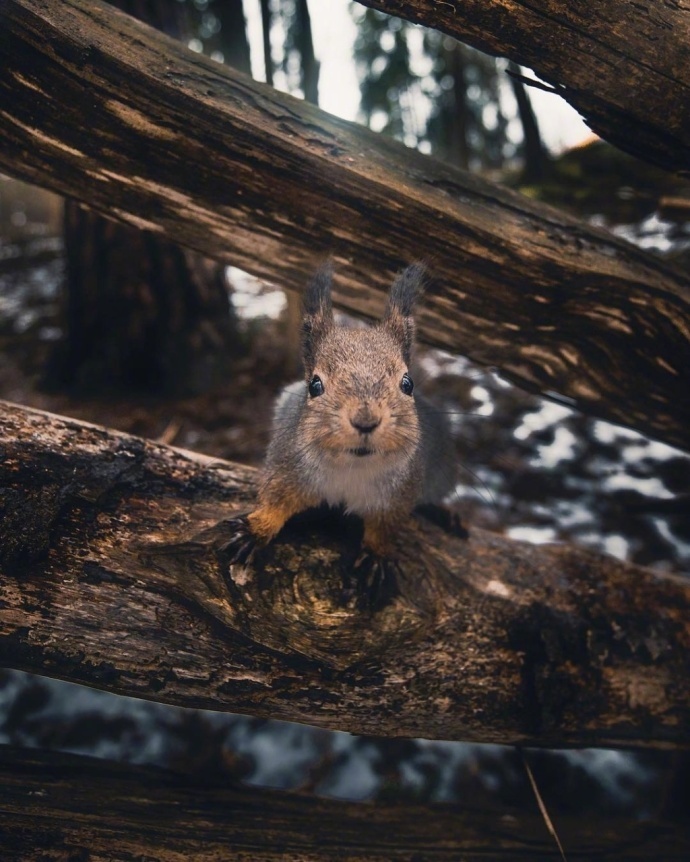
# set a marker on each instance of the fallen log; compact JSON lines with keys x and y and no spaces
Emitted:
{"x":629,"y":81}
{"x":100,"y":107}
{"x":87,"y":809}
{"x":113,"y":575}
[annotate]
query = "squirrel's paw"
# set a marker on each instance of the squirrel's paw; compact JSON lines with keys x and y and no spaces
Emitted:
{"x":376,"y":580}
{"x":241,"y":544}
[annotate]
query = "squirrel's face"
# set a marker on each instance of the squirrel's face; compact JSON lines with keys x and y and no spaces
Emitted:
{"x":360,"y":403}
{"x":360,"y":407}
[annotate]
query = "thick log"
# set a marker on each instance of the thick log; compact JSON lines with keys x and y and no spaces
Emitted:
{"x":112,"y":576}
{"x":86,"y":809}
{"x":97,"y":106}
{"x":623,"y":66}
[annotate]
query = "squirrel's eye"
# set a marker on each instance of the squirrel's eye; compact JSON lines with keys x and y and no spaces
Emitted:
{"x":406,"y":384}
{"x":315,"y":387}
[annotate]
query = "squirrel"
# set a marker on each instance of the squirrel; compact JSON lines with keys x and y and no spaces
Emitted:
{"x":354,"y":433}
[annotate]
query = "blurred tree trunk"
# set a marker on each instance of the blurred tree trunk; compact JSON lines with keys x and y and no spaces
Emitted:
{"x":305,"y":45}
{"x":138,"y":312}
{"x":298,"y":63}
{"x":459,"y":140}
{"x":266,"y":19}
{"x":233,"y":34}
{"x":69,"y":808}
{"x":534,"y":154}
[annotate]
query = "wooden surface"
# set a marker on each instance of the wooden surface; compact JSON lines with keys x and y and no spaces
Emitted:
{"x":62,"y":807}
{"x":622,"y":65}
{"x":102,"y":108}
{"x":111,"y":575}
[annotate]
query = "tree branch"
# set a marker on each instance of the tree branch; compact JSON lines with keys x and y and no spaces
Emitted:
{"x":112,"y":576}
{"x":97,"y":106}
{"x":97,"y":810}
{"x":629,"y":82}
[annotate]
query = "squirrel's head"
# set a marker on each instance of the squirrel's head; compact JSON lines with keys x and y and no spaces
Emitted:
{"x":360,"y":392}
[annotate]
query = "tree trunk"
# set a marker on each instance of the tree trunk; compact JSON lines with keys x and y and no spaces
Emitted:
{"x":533,"y":152}
{"x":113,"y":575}
{"x":232,"y":38}
{"x":85,"y":809}
{"x":624,"y":68}
{"x":266,"y":21}
{"x":207,"y":157}
{"x":305,"y":46}
{"x":459,"y":151}
{"x":139,"y":312}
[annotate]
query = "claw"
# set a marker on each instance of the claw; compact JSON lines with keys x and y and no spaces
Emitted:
{"x":377,"y":580}
{"x":241,"y":543}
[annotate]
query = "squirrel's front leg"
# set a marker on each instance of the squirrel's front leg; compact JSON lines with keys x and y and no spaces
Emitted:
{"x":376,"y":568}
{"x":277,"y":504}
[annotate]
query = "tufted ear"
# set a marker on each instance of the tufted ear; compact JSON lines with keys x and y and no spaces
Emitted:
{"x":404,"y":293}
{"x":317,"y":314}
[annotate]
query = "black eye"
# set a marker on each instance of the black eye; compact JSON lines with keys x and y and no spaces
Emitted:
{"x":315,"y":387}
{"x":406,"y":384}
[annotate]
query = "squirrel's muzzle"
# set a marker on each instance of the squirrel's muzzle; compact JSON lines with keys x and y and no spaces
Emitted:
{"x":365,"y":421}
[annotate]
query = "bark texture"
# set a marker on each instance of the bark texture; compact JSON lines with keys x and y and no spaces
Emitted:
{"x":72,"y":808}
{"x":112,"y":576}
{"x":622,"y":65}
{"x":98,"y":106}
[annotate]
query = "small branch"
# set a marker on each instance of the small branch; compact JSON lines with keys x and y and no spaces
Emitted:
{"x":543,"y":810}
{"x":532,"y":82}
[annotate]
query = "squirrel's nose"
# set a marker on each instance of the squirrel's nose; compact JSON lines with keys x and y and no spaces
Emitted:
{"x":365,"y":423}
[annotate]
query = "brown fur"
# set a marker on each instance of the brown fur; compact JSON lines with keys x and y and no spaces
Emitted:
{"x":360,"y":443}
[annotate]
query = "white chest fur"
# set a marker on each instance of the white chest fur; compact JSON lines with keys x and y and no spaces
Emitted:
{"x":362,"y":485}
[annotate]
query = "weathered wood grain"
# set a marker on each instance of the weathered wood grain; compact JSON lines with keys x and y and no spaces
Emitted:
{"x":100,"y":107}
{"x":64,"y":807}
{"x":111,"y":575}
{"x":623,"y":65}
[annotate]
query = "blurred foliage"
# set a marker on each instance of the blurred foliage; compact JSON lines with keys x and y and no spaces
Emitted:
{"x":432,"y":92}
{"x":218,"y":28}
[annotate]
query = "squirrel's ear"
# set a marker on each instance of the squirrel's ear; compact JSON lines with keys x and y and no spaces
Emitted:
{"x":317,"y":311}
{"x":406,"y":290}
